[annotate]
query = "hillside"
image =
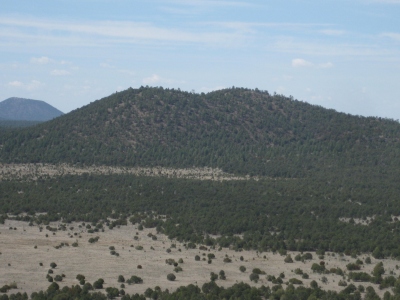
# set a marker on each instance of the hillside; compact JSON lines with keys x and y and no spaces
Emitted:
{"x":20,"y":109}
{"x":238,"y":130}
{"x":317,"y":179}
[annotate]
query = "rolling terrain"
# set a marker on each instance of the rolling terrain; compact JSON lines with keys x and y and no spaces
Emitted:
{"x":236,"y":168}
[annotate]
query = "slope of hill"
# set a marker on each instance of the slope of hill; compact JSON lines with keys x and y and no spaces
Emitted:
{"x":27,"y":110}
{"x":320,"y":174}
{"x":238,"y":130}
{"x":8,"y":124}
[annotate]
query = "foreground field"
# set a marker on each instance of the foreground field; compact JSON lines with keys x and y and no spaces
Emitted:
{"x":23,"y":248}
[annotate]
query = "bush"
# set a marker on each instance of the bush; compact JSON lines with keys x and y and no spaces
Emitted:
{"x":197,"y":258}
{"x":53,"y":265}
{"x":58,"y":278}
{"x":242,"y":269}
{"x":98,"y":284}
{"x":317,"y":268}
{"x":121,"y":278}
{"x":210,"y":255}
{"x":222,"y":275}
{"x":288,"y":259}
{"x":80,"y":277}
{"x":134,"y":279}
{"x":359,"y":276}
{"x":307,"y":256}
{"x":378,"y":270}
{"x":112,"y":292}
{"x":342,"y":283}
{"x":178,"y":269}
{"x":305,"y":276}
{"x":258,"y":271}
{"x":353,"y":267}
{"x":87,"y":287}
{"x":227,"y":260}
{"x":213,"y":276}
{"x":298,"y":271}
{"x":171,"y":277}
{"x":254,"y":277}
{"x":93,"y":240}
{"x":295,"y":281}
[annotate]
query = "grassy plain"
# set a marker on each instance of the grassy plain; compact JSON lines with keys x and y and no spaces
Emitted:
{"x":20,"y":260}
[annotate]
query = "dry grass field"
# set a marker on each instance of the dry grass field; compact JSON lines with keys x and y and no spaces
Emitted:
{"x":34,"y":171}
{"x":24,"y":247}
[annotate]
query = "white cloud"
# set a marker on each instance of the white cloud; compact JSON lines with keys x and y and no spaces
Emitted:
{"x":299,"y":62}
{"x":332,"y":32}
{"x":387,"y":1}
{"x":33,"y":85}
{"x":41,"y":60}
{"x":15,"y":83}
{"x":152,"y":79}
{"x":88,"y":33}
{"x":107,"y":66}
{"x":392,"y":35}
{"x":59,"y":72}
{"x":325,"y":65}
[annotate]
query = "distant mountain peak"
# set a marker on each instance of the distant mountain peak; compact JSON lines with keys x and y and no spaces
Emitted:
{"x":27,"y":109}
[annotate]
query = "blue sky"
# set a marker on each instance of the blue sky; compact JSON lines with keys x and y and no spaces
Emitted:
{"x":342,"y":54}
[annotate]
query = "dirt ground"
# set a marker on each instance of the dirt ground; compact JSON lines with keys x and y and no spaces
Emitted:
{"x":20,"y":260}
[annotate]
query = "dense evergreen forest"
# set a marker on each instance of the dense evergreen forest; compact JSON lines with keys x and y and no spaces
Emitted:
{"x":7,"y":124}
{"x":238,"y":130}
{"x":313,"y":167}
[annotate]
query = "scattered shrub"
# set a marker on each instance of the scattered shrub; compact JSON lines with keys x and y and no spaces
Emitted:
{"x":171,"y":277}
{"x":178,"y":269}
{"x":134,"y":279}
{"x":288,"y":259}
{"x":295,"y":281}
{"x":298,"y":271}
{"x":227,"y":260}
{"x":213,"y":276}
{"x":222,"y":275}
{"x":342,"y":283}
{"x":254,"y":277}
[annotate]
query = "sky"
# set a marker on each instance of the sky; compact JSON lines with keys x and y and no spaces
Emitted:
{"x":341,"y":54}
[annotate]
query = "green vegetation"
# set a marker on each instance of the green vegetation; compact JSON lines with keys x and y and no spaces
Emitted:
{"x":171,"y":277}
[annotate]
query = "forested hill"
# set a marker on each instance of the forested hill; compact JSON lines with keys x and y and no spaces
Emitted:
{"x":240,"y":130}
{"x":20,"y":109}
